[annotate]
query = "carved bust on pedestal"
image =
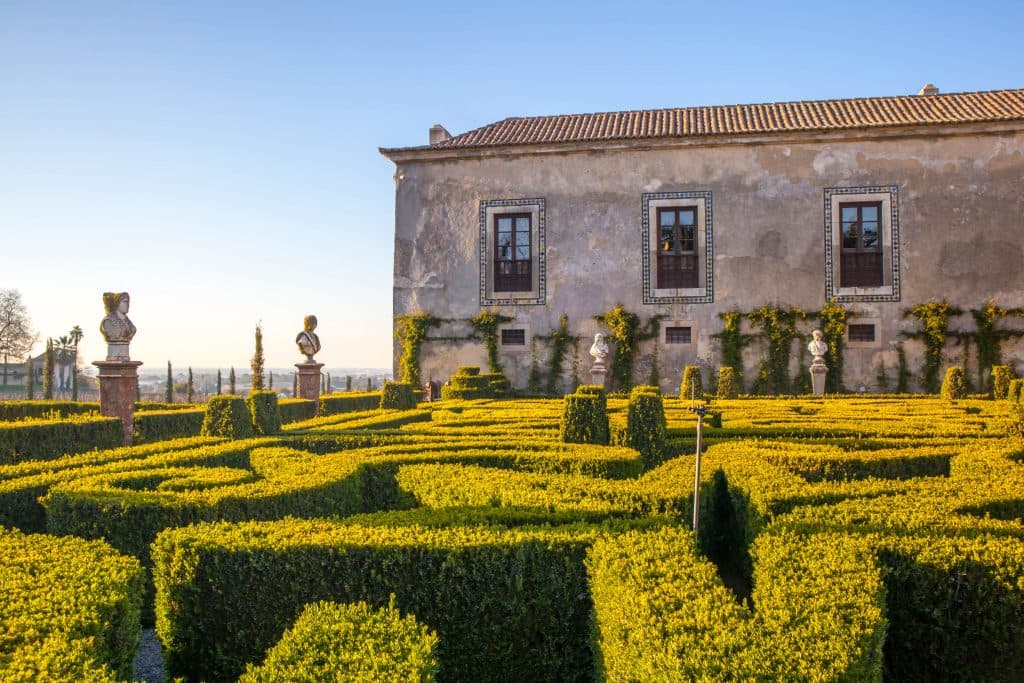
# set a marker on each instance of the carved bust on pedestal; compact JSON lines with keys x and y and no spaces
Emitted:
{"x":818,"y":348}
{"x":116,"y":328}
{"x":599,"y":349}
{"x":307,"y":340}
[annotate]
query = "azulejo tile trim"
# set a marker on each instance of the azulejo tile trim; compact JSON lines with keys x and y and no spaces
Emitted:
{"x":650,"y":297}
{"x":831,"y":273}
{"x":537,"y":204}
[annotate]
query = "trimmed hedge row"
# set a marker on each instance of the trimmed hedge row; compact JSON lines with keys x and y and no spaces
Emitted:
{"x":296,"y":409}
{"x":500,"y":601}
{"x":166,"y":425}
{"x":349,"y":642}
{"x":646,"y":425}
{"x":468,"y":384}
{"x":26,"y":410}
{"x":662,"y":613}
{"x":332,"y":404}
{"x":69,"y":609}
{"x":49,"y":439}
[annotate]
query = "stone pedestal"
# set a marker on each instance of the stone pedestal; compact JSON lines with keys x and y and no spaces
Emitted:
{"x":818,"y":372}
{"x":309,"y":380}
{"x":598,"y":373}
{"x":119,"y":381}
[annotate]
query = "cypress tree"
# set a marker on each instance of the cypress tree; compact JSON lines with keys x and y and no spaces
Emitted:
{"x":48,"y":371}
{"x":295,"y":384}
{"x":348,"y":382}
{"x":74,"y":383}
{"x":231,"y":382}
{"x":270,"y":383}
{"x":218,"y":381}
{"x":189,"y":388}
{"x":169,"y":393}
{"x":369,"y":384}
{"x":138,"y":391}
{"x":257,"y":362}
{"x":329,"y":389}
{"x":323,"y":384}
{"x":30,"y":380}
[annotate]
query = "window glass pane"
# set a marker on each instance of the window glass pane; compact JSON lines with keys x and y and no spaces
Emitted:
{"x":504,"y":224}
{"x":849,"y":213}
{"x":523,"y":253}
{"x":666,"y":239}
{"x":870,"y":232}
{"x":849,"y":235}
{"x":686,"y":217}
{"x":869,"y":213}
{"x":667,"y":217}
{"x":523,"y":223}
{"x":522,"y":239}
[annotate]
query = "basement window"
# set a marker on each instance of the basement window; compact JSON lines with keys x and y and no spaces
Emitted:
{"x":513,"y":337}
{"x":678,"y":335}
{"x":860,"y":333}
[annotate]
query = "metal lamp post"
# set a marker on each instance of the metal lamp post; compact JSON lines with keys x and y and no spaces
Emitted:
{"x":700,"y":410}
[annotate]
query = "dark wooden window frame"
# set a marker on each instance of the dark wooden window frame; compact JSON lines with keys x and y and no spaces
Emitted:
{"x":513,"y":274}
{"x":678,"y":335}
{"x":860,"y":332}
{"x":861,"y":266}
{"x":678,"y":256}
{"x":513,"y":337}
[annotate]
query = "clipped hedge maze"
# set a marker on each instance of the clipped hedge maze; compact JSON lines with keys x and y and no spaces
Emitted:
{"x":848,"y":539}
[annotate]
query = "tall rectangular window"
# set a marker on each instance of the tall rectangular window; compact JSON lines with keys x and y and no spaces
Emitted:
{"x":512,"y":253}
{"x":677,"y":248}
{"x":861,"y":250}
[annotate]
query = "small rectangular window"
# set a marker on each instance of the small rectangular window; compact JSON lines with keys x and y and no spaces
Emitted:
{"x":513,"y":337}
{"x":861,"y":333}
{"x":677,"y":335}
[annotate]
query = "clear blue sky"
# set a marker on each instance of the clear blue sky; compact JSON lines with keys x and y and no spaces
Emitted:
{"x":219,"y":160}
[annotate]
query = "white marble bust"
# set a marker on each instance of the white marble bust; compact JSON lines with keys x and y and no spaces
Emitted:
{"x":116,"y":328}
{"x":817,"y":347}
{"x":599,"y":349}
{"x":307,"y":340}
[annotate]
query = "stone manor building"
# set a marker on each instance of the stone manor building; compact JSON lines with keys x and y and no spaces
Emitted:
{"x":879,"y":203}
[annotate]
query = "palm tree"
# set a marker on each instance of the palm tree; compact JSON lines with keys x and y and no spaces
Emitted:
{"x":65,"y":353}
{"x":76,"y":335}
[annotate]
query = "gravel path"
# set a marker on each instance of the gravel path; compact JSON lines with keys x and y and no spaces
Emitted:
{"x":149,"y":664}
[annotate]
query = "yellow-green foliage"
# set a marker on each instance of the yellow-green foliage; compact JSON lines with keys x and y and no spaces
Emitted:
{"x":1001,"y":377}
{"x":350,"y":401}
{"x":691,"y":386}
{"x":499,"y":600}
{"x":25,"y":410}
{"x":662,"y":614}
{"x":265,"y":414}
{"x":69,"y":609}
{"x":727,"y":384}
{"x":398,"y":396}
{"x":165,"y":425}
{"x":296,"y":409}
{"x":954,"y":386}
{"x":45,"y":439}
{"x":229,"y":417}
{"x":351,"y":643}
{"x":585,"y":416}
{"x":477,"y":516}
{"x":646,"y":424}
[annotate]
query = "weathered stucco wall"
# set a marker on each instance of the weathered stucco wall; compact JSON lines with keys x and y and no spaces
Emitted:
{"x":961,"y":225}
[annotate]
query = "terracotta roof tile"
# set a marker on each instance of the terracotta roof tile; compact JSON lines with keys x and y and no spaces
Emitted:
{"x":744,"y":119}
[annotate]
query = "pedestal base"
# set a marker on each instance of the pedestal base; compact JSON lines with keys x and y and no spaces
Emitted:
{"x":309,"y":380}
{"x":598,"y":373}
{"x":818,"y":374}
{"x":119,"y":382}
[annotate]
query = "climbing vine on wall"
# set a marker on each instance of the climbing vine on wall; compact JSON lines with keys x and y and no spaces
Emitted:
{"x":559,"y":340}
{"x":934,"y":320}
{"x":485,"y":324}
{"x":833,"y":332}
{"x":626,"y":334}
{"x":411,"y":332}
{"x":733,"y":342}
{"x":988,"y":338}
{"x":778,"y":328}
